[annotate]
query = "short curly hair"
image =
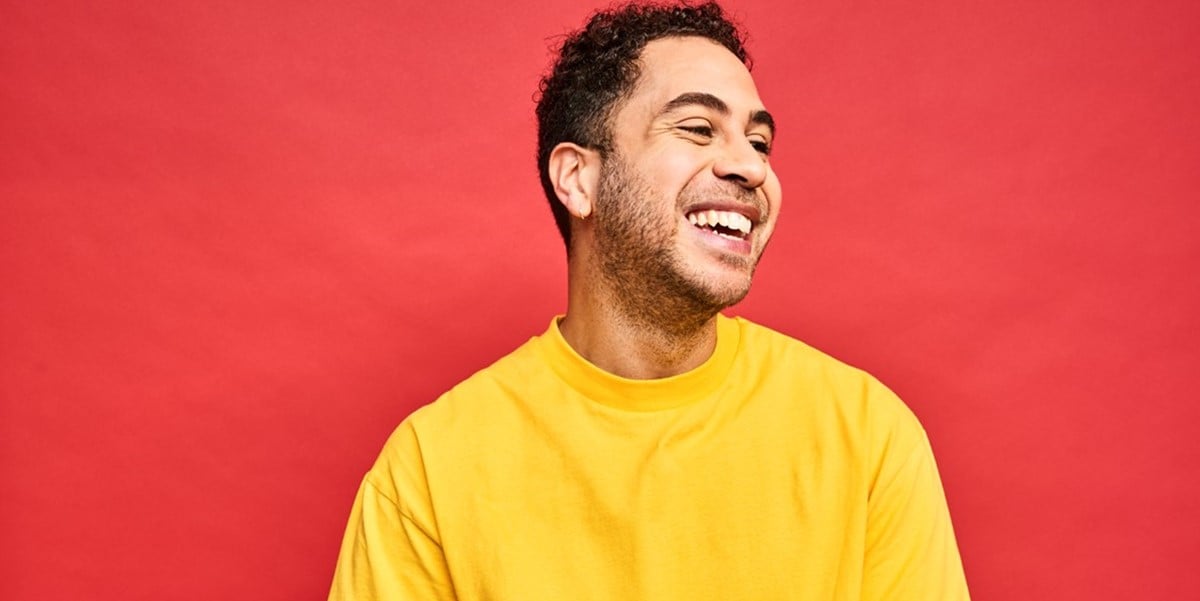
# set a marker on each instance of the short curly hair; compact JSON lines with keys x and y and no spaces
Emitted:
{"x":598,"y":65}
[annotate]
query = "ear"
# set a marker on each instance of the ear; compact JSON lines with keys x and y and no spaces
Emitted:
{"x":575,"y":173}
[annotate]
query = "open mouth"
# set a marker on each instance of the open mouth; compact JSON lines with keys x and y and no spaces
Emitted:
{"x":722,"y":223}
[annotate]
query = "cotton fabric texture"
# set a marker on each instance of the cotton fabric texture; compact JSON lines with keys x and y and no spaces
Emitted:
{"x":772,"y":471}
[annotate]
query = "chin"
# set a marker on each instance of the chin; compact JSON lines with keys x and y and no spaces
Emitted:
{"x":723,"y":292}
{"x":735,"y":296}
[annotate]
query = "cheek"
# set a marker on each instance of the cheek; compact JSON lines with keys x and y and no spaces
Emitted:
{"x":773,"y":192}
{"x":673,"y":171}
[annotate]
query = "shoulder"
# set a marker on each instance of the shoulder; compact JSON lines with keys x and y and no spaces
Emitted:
{"x":782,"y":362}
{"x":480,"y":399}
{"x":765,"y":343}
{"x":478,"y":407}
{"x":461,"y":417}
{"x":773,"y":354}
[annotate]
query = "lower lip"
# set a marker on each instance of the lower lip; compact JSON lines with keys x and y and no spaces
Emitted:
{"x":732,"y":245}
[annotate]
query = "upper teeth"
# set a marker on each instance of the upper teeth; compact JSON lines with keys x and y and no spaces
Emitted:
{"x":729,"y":219}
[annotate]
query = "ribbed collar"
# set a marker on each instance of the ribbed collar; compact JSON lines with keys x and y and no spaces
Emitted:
{"x":642,"y":395}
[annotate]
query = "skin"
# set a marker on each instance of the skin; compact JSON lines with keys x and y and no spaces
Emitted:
{"x":644,"y":284}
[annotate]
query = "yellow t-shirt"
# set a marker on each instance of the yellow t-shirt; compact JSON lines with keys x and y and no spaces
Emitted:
{"x":772,"y":471}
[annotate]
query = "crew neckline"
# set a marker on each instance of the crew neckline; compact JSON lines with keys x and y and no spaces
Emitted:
{"x":642,"y":395}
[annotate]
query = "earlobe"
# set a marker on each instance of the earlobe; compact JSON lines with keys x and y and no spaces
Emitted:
{"x":574,"y":171}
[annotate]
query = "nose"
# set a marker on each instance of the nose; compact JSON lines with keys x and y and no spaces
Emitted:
{"x":740,"y":162}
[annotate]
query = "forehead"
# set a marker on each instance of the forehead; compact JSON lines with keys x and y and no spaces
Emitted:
{"x":678,"y":65}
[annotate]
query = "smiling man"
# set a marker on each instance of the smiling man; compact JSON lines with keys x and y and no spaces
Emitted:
{"x":645,"y":446}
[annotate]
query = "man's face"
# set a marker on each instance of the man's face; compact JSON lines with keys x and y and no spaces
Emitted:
{"x":687,"y":200}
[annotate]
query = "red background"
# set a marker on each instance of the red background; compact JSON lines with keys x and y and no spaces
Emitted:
{"x":241,"y":241}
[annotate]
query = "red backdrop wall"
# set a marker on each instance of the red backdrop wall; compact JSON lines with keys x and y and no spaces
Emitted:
{"x":242,"y":240}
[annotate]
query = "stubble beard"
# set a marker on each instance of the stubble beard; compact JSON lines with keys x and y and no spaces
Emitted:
{"x":636,"y":256}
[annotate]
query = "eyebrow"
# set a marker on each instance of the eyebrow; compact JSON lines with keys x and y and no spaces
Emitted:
{"x":707,"y":100}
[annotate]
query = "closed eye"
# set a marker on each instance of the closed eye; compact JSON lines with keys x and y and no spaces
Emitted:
{"x":702,"y":131}
{"x":761,"y":146}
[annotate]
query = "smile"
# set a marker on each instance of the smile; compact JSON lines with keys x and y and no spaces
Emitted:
{"x":723,"y":223}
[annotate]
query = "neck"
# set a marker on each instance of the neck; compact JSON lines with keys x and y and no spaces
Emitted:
{"x":632,"y":337}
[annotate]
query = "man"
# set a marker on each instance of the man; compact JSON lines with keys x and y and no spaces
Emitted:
{"x":645,"y":446}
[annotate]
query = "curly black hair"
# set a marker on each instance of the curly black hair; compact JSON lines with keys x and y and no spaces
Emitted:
{"x":598,"y":65}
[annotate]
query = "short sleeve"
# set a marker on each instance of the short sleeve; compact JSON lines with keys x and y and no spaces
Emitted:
{"x":391,"y":550}
{"x":911,"y":554}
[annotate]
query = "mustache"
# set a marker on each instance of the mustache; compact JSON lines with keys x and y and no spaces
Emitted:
{"x":725,"y":192}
